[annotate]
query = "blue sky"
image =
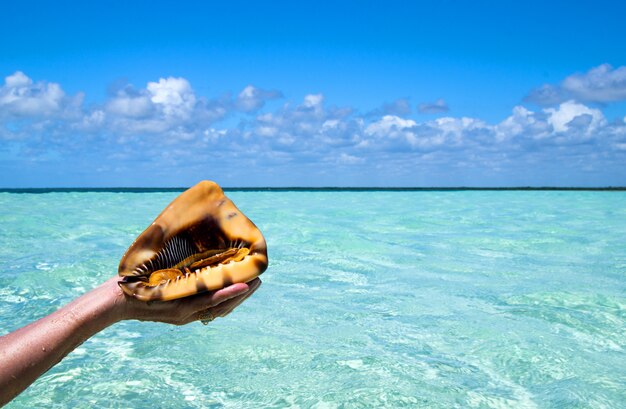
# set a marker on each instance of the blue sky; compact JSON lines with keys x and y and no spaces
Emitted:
{"x":323,"y":94}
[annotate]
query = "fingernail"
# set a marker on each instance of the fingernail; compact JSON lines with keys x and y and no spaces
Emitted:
{"x":243,"y":290}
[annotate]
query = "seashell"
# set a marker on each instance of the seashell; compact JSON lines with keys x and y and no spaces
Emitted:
{"x":162,"y":276}
{"x":200,"y":242}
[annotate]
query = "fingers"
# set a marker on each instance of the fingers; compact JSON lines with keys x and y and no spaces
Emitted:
{"x":185,"y":310}
{"x":207,"y":300}
{"x":229,"y":292}
{"x":226,"y":307}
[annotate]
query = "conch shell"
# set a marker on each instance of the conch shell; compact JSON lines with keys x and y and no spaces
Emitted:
{"x":200,"y":242}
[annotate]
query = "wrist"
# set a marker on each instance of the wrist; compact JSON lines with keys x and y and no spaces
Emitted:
{"x":99,"y":308}
{"x":114,"y":308}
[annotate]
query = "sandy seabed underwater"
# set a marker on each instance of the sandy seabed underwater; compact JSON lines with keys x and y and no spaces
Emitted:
{"x":468,"y":299}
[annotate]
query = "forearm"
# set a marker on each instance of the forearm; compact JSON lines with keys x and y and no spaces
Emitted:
{"x":30,"y":351}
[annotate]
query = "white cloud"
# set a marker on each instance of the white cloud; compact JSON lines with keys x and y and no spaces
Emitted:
{"x":251,"y":99}
{"x":213,"y":135}
{"x":456,"y":127}
{"x":133,"y":106}
{"x":170,"y":109}
{"x":17,"y":80}
{"x":173,"y":96}
{"x":519,"y":123}
{"x":92,"y":121}
{"x":330,"y":124}
{"x":20,"y":96}
{"x":563,"y":117}
{"x":570,"y":122}
{"x":440,"y":132}
{"x":167,"y":108}
{"x":314,"y":102}
{"x":268,"y":131}
{"x":390,"y":126}
{"x":168,"y":120}
{"x":248,"y":99}
{"x":600,"y":84}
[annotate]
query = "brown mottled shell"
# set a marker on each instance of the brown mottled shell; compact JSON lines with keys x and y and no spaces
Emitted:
{"x":202,"y":220}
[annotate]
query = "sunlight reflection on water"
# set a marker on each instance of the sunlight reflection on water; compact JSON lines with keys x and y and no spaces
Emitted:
{"x":414,"y":299}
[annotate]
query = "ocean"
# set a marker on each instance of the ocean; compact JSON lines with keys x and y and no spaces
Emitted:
{"x":434,"y":299}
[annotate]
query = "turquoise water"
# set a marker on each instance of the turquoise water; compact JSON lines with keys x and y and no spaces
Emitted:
{"x":372,"y":299}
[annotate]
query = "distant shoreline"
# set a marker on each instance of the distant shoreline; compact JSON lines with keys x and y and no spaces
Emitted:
{"x":306,"y":189}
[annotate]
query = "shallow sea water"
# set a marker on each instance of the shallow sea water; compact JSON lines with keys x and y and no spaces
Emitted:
{"x":458,"y":299}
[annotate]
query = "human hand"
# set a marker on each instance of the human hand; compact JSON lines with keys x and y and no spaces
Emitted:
{"x":30,"y":351}
{"x":205,"y":306}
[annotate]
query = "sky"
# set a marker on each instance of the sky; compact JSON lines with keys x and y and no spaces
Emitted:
{"x":314,"y":94}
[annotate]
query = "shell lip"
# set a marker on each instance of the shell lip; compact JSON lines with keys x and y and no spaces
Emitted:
{"x":144,"y":274}
{"x":207,"y":279}
{"x":202,"y":219}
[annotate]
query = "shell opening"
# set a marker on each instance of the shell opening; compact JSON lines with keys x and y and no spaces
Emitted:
{"x":181,"y":258}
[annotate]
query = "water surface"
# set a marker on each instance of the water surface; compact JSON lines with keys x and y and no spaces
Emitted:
{"x":476,"y":299}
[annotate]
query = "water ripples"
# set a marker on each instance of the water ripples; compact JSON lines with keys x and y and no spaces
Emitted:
{"x":372,"y":299}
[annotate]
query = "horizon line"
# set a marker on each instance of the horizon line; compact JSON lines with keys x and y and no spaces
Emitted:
{"x":303,"y":188}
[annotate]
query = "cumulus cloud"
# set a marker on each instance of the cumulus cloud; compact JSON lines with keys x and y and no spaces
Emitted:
{"x":313,"y":102}
{"x":21,"y":97}
{"x":168,"y":108}
{"x":394,"y":127}
{"x":440,"y":133}
{"x":251,"y":99}
{"x":570,"y":114}
{"x":601,"y":84}
{"x":173,"y":96}
{"x":168,"y":121}
{"x":129,"y":103}
{"x":310,"y":123}
{"x":522,"y":122}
